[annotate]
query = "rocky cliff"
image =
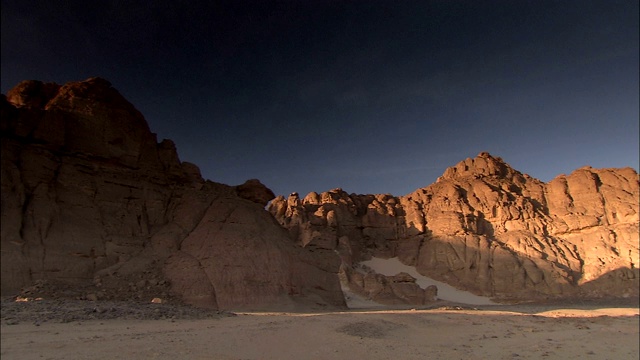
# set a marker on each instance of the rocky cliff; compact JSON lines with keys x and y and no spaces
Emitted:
{"x":91,"y":201}
{"x":486,"y":228}
{"x":93,"y":206}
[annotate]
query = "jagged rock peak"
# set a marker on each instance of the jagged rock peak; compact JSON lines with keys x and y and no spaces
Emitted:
{"x":96,"y":95}
{"x":87,"y":117}
{"x":91,"y":97}
{"x":482,"y":165}
{"x":32,"y":94}
{"x":86,"y":183}
{"x":487,"y":228}
{"x":37,"y":94}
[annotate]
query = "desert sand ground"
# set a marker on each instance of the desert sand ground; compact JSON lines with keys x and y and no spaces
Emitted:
{"x":546,"y":331}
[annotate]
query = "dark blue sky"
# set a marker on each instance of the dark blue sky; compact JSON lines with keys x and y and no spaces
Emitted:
{"x":370,"y":96}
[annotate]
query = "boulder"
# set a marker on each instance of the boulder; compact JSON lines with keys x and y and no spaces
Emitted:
{"x":254,"y":190}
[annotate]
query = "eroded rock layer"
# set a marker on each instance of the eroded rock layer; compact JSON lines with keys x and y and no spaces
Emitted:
{"x":487,"y":228}
{"x":90,"y":198}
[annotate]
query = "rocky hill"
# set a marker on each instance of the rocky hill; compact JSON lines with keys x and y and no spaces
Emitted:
{"x":93,"y":206}
{"x":486,"y":228}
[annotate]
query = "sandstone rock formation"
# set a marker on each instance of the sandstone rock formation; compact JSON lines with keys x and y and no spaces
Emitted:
{"x":399,"y":289}
{"x":90,"y":198}
{"x":487,"y":228}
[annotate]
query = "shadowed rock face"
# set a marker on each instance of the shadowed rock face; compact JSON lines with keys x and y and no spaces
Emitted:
{"x":255,"y":191}
{"x":89,"y":196}
{"x":90,"y":199}
{"x":489,"y":229}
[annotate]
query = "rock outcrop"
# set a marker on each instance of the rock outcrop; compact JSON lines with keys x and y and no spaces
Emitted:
{"x":487,"y":228}
{"x":399,"y":289}
{"x":90,"y":198}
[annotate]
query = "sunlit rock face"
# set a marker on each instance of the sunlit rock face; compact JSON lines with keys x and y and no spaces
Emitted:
{"x":487,"y":228}
{"x":91,"y":200}
{"x":90,"y":197}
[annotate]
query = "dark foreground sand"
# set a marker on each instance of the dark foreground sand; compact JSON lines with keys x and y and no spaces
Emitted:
{"x":85,"y":330}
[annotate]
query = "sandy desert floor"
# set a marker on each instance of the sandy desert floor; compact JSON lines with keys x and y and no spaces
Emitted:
{"x":444,"y":332}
